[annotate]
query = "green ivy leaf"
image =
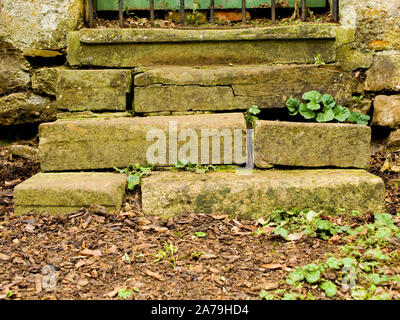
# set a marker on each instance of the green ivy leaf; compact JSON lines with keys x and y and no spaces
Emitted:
{"x":293,"y":106}
{"x":280,"y":231}
{"x":334,"y":263}
{"x":254,"y":110}
{"x":328,"y":101}
{"x":308,"y":114}
{"x":359,"y":118}
{"x":330,"y":288}
{"x":313,"y":96}
{"x":133,"y":180}
{"x":326,"y":115}
{"x":341,"y":113}
{"x":313,"y":277}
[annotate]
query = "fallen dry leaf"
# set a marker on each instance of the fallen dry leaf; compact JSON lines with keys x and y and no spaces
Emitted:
{"x":4,"y":257}
{"x":154,"y":275}
{"x":272,"y":266}
{"x":88,"y":252}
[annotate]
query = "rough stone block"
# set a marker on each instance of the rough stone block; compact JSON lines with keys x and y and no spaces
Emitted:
{"x":119,"y":142}
{"x":384,"y":74}
{"x":311,"y":144}
{"x":44,"y":80}
{"x":234,"y":88}
{"x":25,"y":107}
{"x":60,"y":193}
{"x":387,"y":111}
{"x":149,"y":47}
{"x":252,"y":196}
{"x":99,"y":90}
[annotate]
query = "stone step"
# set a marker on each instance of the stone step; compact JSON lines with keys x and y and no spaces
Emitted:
{"x":96,"y":90}
{"x":60,"y":193}
{"x":311,"y":144}
{"x":234,"y":88}
{"x":147,"y":47}
{"x":118,"y":142}
{"x":252,"y":196}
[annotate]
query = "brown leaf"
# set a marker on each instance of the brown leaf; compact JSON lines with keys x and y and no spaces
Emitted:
{"x":88,"y":252}
{"x":4,"y":257}
{"x":219,"y":217}
{"x":154,"y":275}
{"x":208,"y":256}
{"x":272,"y":266}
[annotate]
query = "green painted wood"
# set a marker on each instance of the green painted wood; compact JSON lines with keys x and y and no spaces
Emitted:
{"x":112,"y":5}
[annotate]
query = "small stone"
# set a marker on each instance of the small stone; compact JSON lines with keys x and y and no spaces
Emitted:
{"x":25,"y":151}
{"x":29,"y":52}
{"x":44,"y":81}
{"x":387,"y":111}
{"x":394,"y":139}
{"x":384,"y":74}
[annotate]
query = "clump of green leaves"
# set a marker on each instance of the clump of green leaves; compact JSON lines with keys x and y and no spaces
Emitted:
{"x":318,"y":60}
{"x":251,"y":114}
{"x":292,"y":224}
{"x":323,"y":108}
{"x":167,"y":253}
{"x":187,"y":166}
{"x":134,"y":174}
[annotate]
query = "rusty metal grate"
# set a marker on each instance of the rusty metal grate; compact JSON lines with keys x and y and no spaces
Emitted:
{"x":334,"y":9}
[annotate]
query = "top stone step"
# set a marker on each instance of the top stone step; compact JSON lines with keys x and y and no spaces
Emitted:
{"x":149,"y":47}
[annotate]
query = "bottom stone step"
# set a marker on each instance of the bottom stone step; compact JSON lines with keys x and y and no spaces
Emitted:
{"x":60,"y":193}
{"x":251,"y":196}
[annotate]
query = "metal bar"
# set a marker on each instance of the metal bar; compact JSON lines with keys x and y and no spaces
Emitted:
{"x":121,"y":13}
{"x":212,"y":12}
{"x":273,"y":11}
{"x":182,"y":10}
{"x":152,"y":13}
{"x":243,"y":11}
{"x":90,"y":13}
{"x":303,"y":10}
{"x":335,"y":10}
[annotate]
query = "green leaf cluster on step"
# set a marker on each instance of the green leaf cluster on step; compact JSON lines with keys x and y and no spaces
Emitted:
{"x":135,"y":174}
{"x":323,"y":108}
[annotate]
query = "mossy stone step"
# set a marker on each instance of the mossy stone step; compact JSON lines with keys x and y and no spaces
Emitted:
{"x":60,"y":193}
{"x":148,"y":47}
{"x":252,"y":196}
{"x":161,"y":140}
{"x":311,"y":144}
{"x":234,"y":88}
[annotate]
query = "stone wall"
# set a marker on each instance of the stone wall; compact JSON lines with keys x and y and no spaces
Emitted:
{"x":32,"y":34}
{"x":373,"y":43}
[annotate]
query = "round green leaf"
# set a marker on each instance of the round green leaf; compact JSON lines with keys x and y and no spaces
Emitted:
{"x":328,"y":101}
{"x":308,"y":114}
{"x":313,"y":95}
{"x":326,"y":115}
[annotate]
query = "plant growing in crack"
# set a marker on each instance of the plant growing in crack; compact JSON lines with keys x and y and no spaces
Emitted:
{"x":250,"y":114}
{"x":135,"y":173}
{"x":323,"y":108}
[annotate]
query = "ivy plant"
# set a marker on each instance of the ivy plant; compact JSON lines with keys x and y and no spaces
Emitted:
{"x":323,"y":108}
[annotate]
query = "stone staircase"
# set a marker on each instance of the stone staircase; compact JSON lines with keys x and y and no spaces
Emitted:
{"x":126,"y":87}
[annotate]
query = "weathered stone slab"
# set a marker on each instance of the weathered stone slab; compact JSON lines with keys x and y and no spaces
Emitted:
{"x":60,"y":193}
{"x":14,"y":69}
{"x":384,"y":74}
{"x":252,"y":196}
{"x":149,"y":47}
{"x":107,"y":143}
{"x":387,"y":111}
{"x":234,"y":88}
{"x":44,"y":80}
{"x":79,"y":90}
{"x":40,"y":24}
{"x":311,"y":144}
{"x":25,"y":107}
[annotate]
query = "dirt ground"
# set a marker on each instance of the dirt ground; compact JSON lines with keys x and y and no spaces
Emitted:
{"x":95,"y":256}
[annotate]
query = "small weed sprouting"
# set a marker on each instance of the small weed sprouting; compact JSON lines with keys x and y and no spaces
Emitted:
{"x":135,"y":174}
{"x":251,"y":115}
{"x":167,"y":253}
{"x":318,"y":60}
{"x":323,"y":108}
{"x":187,"y":166}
